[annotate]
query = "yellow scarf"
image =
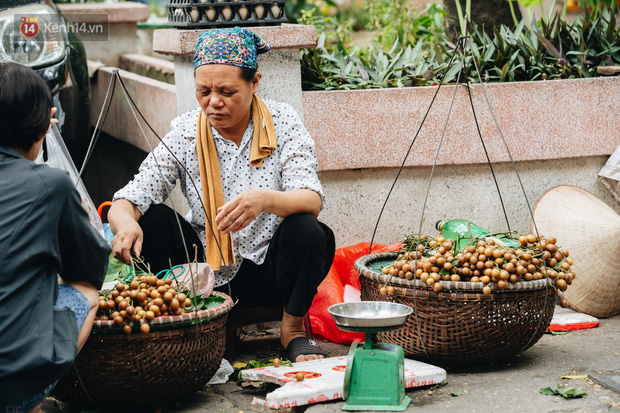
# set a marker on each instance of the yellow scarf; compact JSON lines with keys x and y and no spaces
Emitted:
{"x":263,"y":143}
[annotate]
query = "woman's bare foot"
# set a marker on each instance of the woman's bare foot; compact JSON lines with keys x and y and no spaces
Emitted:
{"x":291,"y":328}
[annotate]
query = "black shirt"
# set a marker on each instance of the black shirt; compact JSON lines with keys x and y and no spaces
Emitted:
{"x":44,"y":232}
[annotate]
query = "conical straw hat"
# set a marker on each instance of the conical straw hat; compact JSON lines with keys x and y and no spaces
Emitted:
{"x":590,"y":230}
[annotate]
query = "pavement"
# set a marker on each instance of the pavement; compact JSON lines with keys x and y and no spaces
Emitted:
{"x":509,"y":386}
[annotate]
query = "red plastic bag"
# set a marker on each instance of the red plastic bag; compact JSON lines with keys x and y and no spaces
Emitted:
{"x":331,"y":291}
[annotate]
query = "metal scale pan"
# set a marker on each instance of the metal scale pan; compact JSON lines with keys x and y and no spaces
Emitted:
{"x":374,"y":376}
{"x":369,"y":316}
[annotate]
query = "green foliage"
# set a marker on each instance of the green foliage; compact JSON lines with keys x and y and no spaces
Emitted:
{"x":353,"y":11}
{"x":597,"y":6}
{"x":547,"y":49}
{"x":375,"y":68}
{"x":553,"y":50}
{"x":295,"y":8}
{"x":336,"y":64}
{"x":335,"y":31}
{"x":252,"y":364}
{"x":392,"y":20}
{"x":156,"y":8}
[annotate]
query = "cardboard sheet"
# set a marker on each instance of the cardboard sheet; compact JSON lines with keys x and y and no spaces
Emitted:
{"x":565,"y":319}
{"x":324,"y":380}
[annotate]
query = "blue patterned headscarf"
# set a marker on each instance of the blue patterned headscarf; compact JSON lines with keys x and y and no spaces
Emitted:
{"x":236,"y":46}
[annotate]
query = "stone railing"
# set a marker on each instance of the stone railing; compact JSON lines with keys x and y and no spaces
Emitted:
{"x":123,"y":21}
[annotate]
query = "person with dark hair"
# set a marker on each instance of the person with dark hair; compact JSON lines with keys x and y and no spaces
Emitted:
{"x":249,"y":171}
{"x":52,"y":259}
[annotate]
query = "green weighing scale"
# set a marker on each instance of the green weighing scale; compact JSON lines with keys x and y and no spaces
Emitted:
{"x":375,"y":374}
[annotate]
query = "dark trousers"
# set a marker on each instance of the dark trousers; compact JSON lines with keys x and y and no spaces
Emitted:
{"x":164,"y":244}
{"x":299,"y":257}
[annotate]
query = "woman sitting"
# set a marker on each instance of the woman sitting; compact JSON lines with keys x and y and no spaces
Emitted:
{"x":249,"y":171}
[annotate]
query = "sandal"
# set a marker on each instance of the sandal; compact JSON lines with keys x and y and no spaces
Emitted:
{"x":302,"y":346}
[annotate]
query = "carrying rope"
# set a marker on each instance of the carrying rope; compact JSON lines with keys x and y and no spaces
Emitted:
{"x":459,"y":48}
{"x":529,"y":208}
{"x":103,"y":115}
{"x":116,"y":77}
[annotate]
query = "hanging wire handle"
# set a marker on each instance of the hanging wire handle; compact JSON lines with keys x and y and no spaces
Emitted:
{"x":461,"y":44}
{"x":428,"y":188}
{"x":486,"y":154}
{"x":98,"y":126}
{"x":415,"y":303}
{"x":165,"y":182}
{"x":187,"y":174}
{"x":402,"y":165}
{"x":529,"y":208}
{"x":132,"y":105}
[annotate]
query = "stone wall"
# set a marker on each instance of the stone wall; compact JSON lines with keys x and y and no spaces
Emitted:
{"x":557,"y":132}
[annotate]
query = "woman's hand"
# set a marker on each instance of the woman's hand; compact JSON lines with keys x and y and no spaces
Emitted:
{"x":128,"y":239}
{"x":123,"y":217}
{"x":240,"y":211}
{"x":52,"y":119}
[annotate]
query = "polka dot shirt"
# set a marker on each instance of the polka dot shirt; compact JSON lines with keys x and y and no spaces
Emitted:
{"x":293,"y":165}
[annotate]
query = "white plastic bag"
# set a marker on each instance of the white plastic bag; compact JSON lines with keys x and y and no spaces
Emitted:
{"x":610,"y":174}
{"x":201,"y":276}
{"x":222,"y":375}
{"x":58,"y":157}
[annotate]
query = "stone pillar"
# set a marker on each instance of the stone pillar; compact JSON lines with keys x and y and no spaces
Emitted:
{"x":280,"y":68}
{"x":123,"y":21}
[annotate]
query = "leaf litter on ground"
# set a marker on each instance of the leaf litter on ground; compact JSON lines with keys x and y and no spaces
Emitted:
{"x":566,"y":392}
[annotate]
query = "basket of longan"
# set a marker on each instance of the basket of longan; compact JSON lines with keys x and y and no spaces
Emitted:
{"x":476,"y":299}
{"x":152,"y":343}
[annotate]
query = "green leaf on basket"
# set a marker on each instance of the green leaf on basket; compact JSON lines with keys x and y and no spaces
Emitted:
{"x":378,"y":265}
{"x":213,"y":301}
{"x":283,"y":362}
{"x":204,"y":303}
{"x":116,"y":270}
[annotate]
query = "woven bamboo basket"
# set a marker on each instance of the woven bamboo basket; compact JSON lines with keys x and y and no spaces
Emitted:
{"x":460,"y":325}
{"x":138,"y":370}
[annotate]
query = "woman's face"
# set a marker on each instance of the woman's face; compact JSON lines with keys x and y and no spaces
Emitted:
{"x":225,"y":97}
